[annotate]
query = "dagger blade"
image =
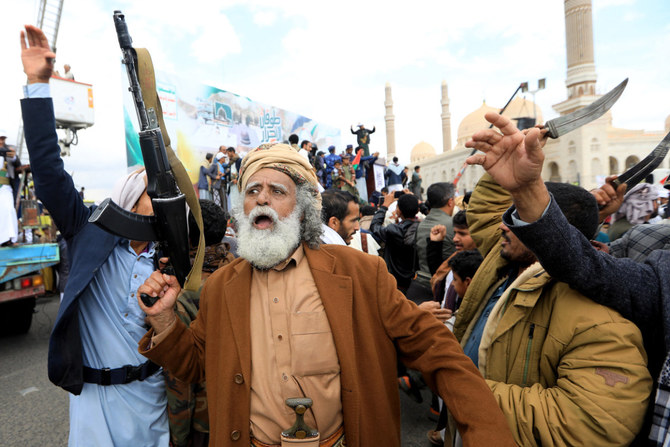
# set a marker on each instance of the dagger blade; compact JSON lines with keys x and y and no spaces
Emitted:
{"x":637,"y":173}
{"x":567,"y":123}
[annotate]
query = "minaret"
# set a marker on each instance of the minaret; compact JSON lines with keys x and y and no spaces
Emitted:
{"x":581,"y":74}
{"x":446,"y":119}
{"x":581,"y":78}
{"x":390,"y":124}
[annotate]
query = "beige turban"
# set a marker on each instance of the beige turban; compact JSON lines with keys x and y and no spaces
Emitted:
{"x":282,"y":158}
{"x":128,"y":190}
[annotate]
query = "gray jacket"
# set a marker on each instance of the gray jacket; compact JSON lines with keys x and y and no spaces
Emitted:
{"x":435,"y":217}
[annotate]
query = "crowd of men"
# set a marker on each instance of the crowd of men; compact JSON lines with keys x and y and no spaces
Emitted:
{"x":497,"y":301}
{"x":348,"y":171}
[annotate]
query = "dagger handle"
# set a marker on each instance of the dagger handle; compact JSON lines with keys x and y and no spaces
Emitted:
{"x":551,"y":130}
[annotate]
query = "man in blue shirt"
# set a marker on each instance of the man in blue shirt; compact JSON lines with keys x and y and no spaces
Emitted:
{"x":117,"y":395}
{"x":330,"y":160}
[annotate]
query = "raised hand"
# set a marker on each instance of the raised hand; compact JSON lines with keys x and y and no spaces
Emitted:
{"x":438,"y":233}
{"x":36,"y":56}
{"x":514,"y":159}
{"x":388,"y":200}
{"x":609,"y":199}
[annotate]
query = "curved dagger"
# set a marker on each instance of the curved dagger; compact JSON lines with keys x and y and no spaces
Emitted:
{"x":567,"y":123}
{"x":643,"y":168}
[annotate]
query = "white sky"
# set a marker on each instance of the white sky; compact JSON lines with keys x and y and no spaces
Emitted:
{"x":330,"y":61}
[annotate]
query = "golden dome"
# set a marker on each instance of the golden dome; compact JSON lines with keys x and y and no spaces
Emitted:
{"x":518,"y":108}
{"x":522,"y":107}
{"x":421,"y":151}
{"x":473,"y":122}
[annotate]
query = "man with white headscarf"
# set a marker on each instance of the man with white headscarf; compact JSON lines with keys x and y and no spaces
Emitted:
{"x":639,"y":205}
{"x":117,"y":398}
{"x":292,"y":318}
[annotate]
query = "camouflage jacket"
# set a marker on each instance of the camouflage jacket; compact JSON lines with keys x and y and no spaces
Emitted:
{"x":187,"y":403}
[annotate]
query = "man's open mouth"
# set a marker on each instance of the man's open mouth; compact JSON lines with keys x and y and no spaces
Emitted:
{"x":263,"y":222}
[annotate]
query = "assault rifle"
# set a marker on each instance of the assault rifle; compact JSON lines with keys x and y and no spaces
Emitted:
{"x":168,"y":226}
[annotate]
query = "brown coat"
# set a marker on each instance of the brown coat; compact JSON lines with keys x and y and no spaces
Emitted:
{"x":369,"y":318}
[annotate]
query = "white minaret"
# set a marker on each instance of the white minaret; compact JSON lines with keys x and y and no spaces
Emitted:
{"x":446,"y":119}
{"x":581,"y":79}
{"x":581,"y":74}
{"x":390,"y":123}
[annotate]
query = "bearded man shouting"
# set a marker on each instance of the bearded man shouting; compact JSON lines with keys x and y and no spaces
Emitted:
{"x":294,"y":318}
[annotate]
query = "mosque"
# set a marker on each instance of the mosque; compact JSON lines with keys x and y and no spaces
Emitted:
{"x":584,"y":156}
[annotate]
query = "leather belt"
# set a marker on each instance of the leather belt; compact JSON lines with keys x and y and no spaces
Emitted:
{"x":334,"y":440}
{"x":120,"y":376}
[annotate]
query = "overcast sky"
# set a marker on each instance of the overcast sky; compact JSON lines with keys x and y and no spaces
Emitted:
{"x":330,"y":61}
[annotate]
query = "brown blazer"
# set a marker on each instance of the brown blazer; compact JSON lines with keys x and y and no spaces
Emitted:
{"x":369,"y":318}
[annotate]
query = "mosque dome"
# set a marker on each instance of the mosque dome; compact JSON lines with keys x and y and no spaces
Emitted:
{"x":524,"y":108}
{"x":421,"y":151}
{"x":472,"y":123}
{"x":519,"y":108}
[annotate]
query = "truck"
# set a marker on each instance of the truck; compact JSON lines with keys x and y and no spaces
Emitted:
{"x":24,"y":266}
{"x":22,"y":280}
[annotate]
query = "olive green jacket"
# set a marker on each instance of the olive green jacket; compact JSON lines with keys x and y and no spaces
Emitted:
{"x":564,"y":370}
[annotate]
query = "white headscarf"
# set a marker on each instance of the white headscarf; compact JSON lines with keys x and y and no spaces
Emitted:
{"x":128,"y":190}
{"x":638,"y":203}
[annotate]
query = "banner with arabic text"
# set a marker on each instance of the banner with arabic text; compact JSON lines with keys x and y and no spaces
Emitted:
{"x":200,"y":118}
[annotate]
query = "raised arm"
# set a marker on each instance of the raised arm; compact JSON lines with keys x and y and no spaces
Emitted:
{"x":514,"y":159}
{"x":631,"y":288}
{"x":53,"y":186}
{"x":36,"y":56}
{"x":169,"y":342}
{"x":376,"y":225}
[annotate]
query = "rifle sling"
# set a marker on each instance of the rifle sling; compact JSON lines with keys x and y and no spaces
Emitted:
{"x":145,"y":73}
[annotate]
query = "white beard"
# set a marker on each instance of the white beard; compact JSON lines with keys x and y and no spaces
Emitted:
{"x":265,"y":249}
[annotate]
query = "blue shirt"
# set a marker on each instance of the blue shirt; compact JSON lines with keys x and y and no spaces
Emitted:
{"x":111,"y":325}
{"x":471,"y":348}
{"x":330,"y":160}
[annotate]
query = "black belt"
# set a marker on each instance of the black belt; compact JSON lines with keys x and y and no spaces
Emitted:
{"x":120,"y":376}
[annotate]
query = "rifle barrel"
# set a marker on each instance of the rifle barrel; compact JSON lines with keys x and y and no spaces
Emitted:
{"x":125,"y":41}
